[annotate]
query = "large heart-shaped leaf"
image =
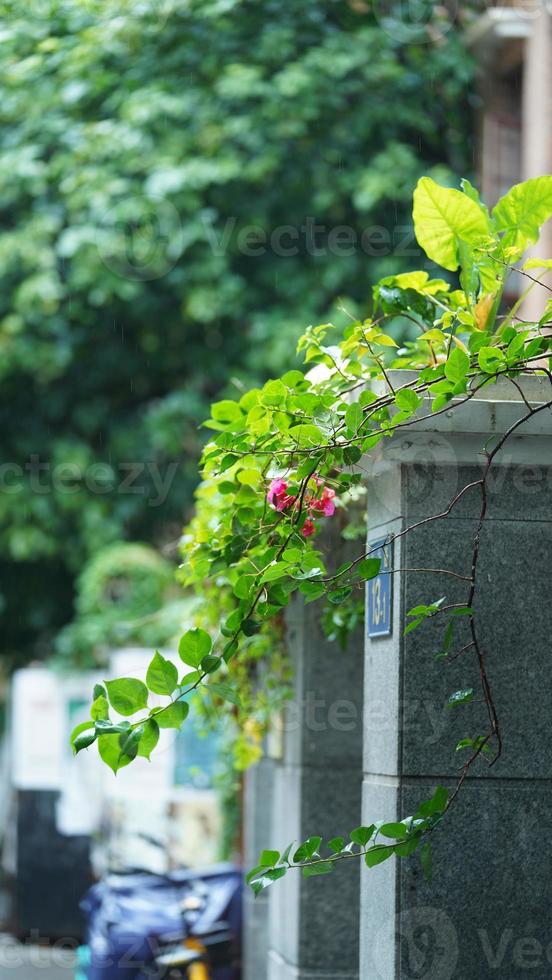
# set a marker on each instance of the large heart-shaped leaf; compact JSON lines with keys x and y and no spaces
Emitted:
{"x":521,"y":212}
{"x":443,"y":218}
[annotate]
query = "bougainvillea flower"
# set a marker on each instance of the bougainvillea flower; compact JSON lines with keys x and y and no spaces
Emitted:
{"x":277,"y":498}
{"x":308,"y":528}
{"x":277,"y":486}
{"x":325,"y":504}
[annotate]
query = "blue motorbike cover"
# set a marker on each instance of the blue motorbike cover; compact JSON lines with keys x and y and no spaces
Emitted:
{"x":129,"y":916}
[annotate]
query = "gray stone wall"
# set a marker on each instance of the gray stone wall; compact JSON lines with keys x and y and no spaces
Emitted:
{"x":485,"y":916}
{"x":315,"y":788}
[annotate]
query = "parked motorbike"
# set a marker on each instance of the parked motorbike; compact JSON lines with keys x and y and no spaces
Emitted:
{"x":143,"y":926}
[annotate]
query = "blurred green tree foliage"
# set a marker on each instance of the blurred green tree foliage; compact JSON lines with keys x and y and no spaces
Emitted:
{"x":126,"y":595}
{"x":139,"y":143}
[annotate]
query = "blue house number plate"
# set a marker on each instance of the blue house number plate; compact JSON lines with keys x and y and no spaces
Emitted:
{"x":380,"y":591}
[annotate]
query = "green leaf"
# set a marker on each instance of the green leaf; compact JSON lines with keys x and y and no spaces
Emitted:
{"x":210,"y":664}
{"x":307,"y":435}
{"x":522,"y":211}
{"x":321,"y":868}
{"x":255,"y":873}
{"x":130,"y":741}
{"x":249,"y":477}
{"x":109,"y":747}
{"x":250,"y":627}
{"x":369,"y":567}
{"x":194,"y":646}
{"x":457,"y":365}
{"x":378,"y":854}
{"x":464,"y":743}
{"x":106,"y":727}
{"x":413,"y":625}
{"x":149,"y":739}
{"x":162,"y":675}
{"x":292,"y":555}
{"x":229,"y":650}
{"x":408,"y":400}
{"x":190,"y":679}
{"x":460,"y":697}
{"x":353,"y":417}
{"x":226,"y":411}
{"x":437,"y":803}
{"x":336,"y":844}
{"x":284,"y":857}
{"x":293,"y":378}
{"x":269,"y":858}
{"x":99,"y":692}
{"x":83,"y":740}
{"x":275,"y":571}
{"x":127,"y":695}
{"x":224,"y":691}
{"x":173,"y":715}
{"x":491,"y":360}
{"x":361,"y":835}
{"x":472,"y":192}
{"x":394,"y":830}
{"x":308,"y":849}
{"x":443,"y":218}
{"x":338,"y":596}
{"x":407,"y":847}
{"x":441,"y":401}
{"x":83,"y":727}
{"x":351,"y":455}
{"x":99,"y":710}
{"x":259,"y":884}
{"x":312,"y":590}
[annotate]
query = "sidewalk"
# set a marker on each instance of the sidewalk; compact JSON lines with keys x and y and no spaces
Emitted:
{"x":22,"y":962}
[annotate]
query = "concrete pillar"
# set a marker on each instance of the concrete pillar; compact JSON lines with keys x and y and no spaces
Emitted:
{"x":537,"y":132}
{"x":258,"y":820}
{"x":314,"y":788}
{"x":486,"y":914}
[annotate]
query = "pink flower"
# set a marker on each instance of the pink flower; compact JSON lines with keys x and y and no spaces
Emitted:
{"x":327,"y":501}
{"x":277,"y":486}
{"x":325,"y":504}
{"x":284,"y":502}
{"x":308,"y":528}
{"x":277,"y":498}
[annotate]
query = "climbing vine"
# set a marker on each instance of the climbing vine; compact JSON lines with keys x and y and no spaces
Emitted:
{"x":287,"y":457}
